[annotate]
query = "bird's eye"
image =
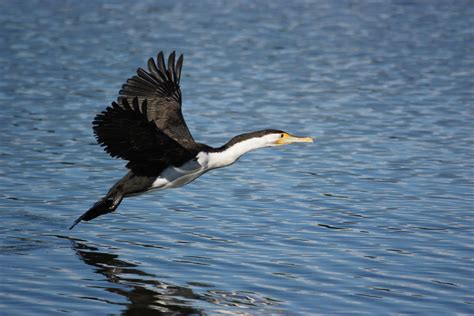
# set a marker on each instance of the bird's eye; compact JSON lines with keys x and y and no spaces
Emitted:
{"x":282,"y":135}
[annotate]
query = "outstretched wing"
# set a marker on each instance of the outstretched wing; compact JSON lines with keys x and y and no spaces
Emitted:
{"x":160,"y":86}
{"x":126,"y":132}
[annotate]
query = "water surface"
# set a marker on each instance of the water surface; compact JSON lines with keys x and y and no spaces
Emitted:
{"x":375,"y":217}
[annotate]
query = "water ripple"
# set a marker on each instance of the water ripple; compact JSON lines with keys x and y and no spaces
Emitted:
{"x":374,"y":218}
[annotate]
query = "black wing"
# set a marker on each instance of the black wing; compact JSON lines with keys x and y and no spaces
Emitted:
{"x":160,"y":86}
{"x":126,"y":133}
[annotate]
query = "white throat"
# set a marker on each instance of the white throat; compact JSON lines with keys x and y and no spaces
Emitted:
{"x":233,"y":153}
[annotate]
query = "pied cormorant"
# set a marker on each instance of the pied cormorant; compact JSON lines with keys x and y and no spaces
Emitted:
{"x":146,"y":127}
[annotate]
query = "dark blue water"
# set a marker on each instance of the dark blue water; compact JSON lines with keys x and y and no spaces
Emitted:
{"x":375,"y":217}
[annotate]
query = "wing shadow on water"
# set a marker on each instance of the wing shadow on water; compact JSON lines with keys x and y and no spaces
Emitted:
{"x":145,"y":295}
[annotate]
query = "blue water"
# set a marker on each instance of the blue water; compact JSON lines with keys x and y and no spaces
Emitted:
{"x":375,"y":217}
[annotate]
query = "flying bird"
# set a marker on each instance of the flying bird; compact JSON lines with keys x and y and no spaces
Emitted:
{"x":146,"y":128}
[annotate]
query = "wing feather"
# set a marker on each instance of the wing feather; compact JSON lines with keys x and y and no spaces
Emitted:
{"x":160,"y":86}
{"x":154,"y":70}
{"x":179,"y":65}
{"x":171,"y":67}
{"x":161,"y":63}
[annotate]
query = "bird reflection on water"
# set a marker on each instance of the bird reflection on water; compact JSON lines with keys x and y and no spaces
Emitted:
{"x":145,"y":295}
{"x":148,"y":296}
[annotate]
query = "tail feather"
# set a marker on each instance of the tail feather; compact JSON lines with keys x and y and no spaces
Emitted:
{"x":104,"y":206}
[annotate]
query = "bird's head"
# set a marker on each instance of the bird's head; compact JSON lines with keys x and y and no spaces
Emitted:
{"x":266,"y":138}
{"x":278,"y":138}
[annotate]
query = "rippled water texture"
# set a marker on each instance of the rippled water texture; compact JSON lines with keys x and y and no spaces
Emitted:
{"x":375,"y":217}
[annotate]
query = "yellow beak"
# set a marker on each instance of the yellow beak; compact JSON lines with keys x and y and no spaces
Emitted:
{"x":289,"y":139}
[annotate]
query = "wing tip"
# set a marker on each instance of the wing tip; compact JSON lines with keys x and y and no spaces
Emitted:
{"x":161,"y":78}
{"x":171,"y":71}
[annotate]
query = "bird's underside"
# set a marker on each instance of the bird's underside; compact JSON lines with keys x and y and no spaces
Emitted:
{"x":145,"y":127}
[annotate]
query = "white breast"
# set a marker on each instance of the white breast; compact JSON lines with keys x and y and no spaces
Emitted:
{"x":174,"y":177}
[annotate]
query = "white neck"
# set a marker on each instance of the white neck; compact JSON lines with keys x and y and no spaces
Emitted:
{"x":231,"y":154}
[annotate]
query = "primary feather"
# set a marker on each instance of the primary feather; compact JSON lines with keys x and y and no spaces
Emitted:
{"x":160,"y":87}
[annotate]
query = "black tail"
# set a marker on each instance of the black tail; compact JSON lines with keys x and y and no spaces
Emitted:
{"x":106,"y":205}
